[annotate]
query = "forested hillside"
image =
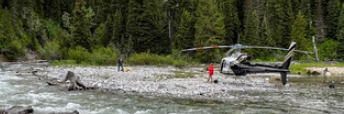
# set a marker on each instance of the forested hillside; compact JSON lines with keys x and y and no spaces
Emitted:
{"x":107,"y":29}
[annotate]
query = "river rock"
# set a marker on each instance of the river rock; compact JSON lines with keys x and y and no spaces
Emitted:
{"x":20,"y":110}
{"x":3,"y":112}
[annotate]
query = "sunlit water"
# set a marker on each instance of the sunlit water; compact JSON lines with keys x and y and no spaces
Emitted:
{"x":306,"y":94}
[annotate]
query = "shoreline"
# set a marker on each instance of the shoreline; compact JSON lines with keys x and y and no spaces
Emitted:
{"x":162,"y":82}
{"x":171,"y":82}
{"x":333,"y":70}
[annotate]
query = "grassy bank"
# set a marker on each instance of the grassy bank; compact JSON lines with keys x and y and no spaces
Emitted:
{"x":301,"y":67}
{"x":84,"y":58}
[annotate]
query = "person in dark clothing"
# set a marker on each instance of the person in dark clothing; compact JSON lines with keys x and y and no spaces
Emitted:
{"x":332,"y":85}
{"x":120,"y":64}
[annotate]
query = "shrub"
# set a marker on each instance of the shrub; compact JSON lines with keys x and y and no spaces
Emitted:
{"x":79,"y":54}
{"x":103,"y":56}
{"x":180,"y":63}
{"x":328,"y":49}
{"x":51,"y":50}
{"x":147,"y":58}
{"x":16,"y":48}
{"x":99,"y":56}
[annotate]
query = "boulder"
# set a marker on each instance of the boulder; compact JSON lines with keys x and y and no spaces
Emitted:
{"x":20,"y":110}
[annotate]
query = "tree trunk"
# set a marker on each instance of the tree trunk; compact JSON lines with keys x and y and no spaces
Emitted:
{"x":315,"y":49}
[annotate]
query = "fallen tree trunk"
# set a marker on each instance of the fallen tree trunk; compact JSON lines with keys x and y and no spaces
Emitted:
{"x":75,"y":83}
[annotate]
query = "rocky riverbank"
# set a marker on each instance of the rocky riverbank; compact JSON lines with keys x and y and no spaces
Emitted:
{"x":162,"y":81}
{"x":333,"y":70}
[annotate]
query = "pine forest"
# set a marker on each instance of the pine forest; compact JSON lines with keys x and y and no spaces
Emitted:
{"x":101,"y":31}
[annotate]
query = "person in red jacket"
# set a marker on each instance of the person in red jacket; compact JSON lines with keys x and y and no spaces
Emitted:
{"x":211,"y":71}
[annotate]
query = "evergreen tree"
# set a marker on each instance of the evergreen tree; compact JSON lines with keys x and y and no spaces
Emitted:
{"x":99,"y":36}
{"x":305,"y":8}
{"x":251,"y":30}
{"x":266,"y":39}
{"x":298,"y":32}
{"x":265,"y":33}
{"x":10,"y":46}
{"x":109,"y":24}
{"x":184,"y":37}
{"x":340,"y":32}
{"x":6,"y":31}
{"x":66,"y":20}
{"x":280,"y":21}
{"x":117,"y":27}
{"x":81,"y":33}
{"x":147,"y":26}
{"x":156,"y":39}
{"x":319,"y":21}
{"x":209,"y":25}
{"x":231,"y":20}
{"x":135,"y":23}
{"x":333,"y":11}
{"x":209,"y":28}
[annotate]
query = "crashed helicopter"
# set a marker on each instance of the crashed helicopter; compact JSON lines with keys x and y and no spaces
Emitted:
{"x":239,"y":65}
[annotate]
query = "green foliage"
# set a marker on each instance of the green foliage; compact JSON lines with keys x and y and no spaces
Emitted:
{"x":66,"y":20}
{"x":251,"y":33}
{"x":51,"y":50}
{"x":209,"y":29}
{"x":147,"y":58}
{"x":103,"y":56}
{"x":280,"y":18}
{"x":333,"y":9}
{"x":184,"y":37}
{"x":231,"y":20}
{"x":328,"y":50}
{"x":298,"y":33}
{"x":100,"y":56}
{"x":179,"y":74}
{"x":100,"y":35}
{"x":6,"y":31}
{"x":79,"y":54}
{"x":81,"y":33}
{"x":58,"y":28}
{"x":147,"y":26}
{"x":180,"y":63}
{"x":16,"y":50}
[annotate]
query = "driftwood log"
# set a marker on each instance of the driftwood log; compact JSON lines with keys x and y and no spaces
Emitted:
{"x":74,"y":80}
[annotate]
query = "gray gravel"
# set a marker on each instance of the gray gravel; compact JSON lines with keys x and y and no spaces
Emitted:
{"x":163,"y":81}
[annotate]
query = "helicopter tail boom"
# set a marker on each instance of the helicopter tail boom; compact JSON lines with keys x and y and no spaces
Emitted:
{"x":287,"y":62}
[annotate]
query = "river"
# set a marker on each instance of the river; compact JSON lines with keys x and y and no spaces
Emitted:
{"x":307,"y":94}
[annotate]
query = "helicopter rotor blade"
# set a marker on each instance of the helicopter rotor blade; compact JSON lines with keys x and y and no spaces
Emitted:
{"x":208,"y":47}
{"x":229,"y":51}
{"x":266,"y":47}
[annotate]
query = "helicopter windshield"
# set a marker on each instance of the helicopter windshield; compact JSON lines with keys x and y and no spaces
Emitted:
{"x":241,"y":58}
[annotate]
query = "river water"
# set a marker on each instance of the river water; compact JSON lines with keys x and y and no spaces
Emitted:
{"x":306,"y":94}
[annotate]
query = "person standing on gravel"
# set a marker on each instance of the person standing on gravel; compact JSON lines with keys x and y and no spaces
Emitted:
{"x":211,"y":71}
{"x":120,"y":64}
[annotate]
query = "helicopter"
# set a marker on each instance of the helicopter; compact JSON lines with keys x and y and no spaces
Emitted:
{"x":238,"y":63}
